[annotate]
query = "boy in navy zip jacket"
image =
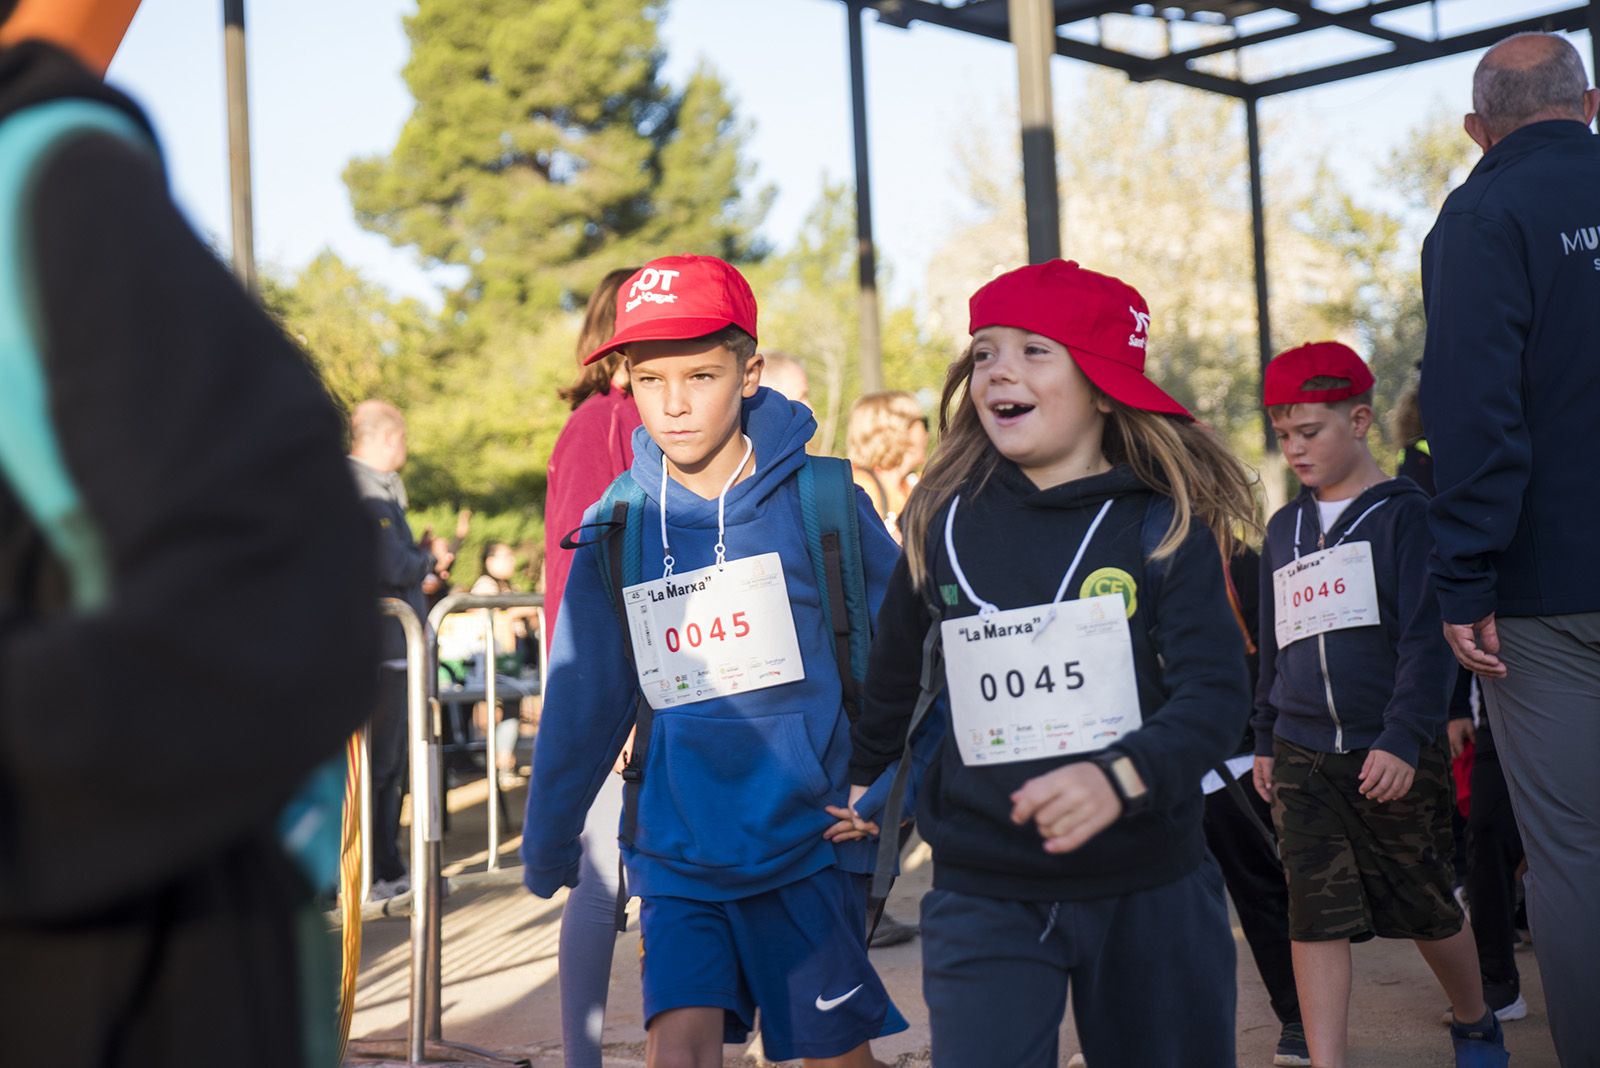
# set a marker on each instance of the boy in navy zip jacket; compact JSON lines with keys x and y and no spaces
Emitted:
{"x":748,"y":896}
{"x":1350,"y":707}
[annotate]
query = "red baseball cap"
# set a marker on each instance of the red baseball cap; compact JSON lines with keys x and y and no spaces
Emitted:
{"x":679,"y":297}
{"x":1291,"y":370}
{"x":1103,"y":322}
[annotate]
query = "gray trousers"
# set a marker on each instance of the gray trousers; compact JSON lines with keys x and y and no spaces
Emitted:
{"x":589,"y":933}
{"x":1151,"y":974}
{"x":1546,"y":719}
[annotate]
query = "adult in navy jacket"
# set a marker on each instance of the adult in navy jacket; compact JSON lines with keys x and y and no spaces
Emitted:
{"x":1510,"y":391}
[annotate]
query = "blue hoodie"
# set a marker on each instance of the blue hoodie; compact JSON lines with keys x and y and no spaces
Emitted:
{"x":1384,"y":687}
{"x":734,"y":787}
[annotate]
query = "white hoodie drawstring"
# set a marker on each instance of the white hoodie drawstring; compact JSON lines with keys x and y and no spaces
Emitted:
{"x":667,"y":562}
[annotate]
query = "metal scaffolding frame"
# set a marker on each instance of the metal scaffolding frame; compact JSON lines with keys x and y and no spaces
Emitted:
{"x":1212,"y":61}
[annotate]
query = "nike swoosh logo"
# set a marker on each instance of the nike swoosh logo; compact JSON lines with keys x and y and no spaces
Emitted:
{"x":829,"y":1004}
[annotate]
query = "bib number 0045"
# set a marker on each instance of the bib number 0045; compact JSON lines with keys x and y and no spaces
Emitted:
{"x":1016,"y":684}
{"x":713,"y":632}
{"x":1019,"y":689}
{"x":693,"y":636}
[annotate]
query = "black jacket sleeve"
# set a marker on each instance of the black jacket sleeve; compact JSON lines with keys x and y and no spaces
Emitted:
{"x":1202,"y":674}
{"x":237,"y":649}
{"x":402,"y":563}
{"x":1425,"y":669}
{"x":1264,"y":716}
{"x":1480,"y":309}
{"x":894,"y":674}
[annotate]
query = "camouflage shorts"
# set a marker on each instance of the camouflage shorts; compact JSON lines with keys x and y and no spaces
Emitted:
{"x":1357,"y":868}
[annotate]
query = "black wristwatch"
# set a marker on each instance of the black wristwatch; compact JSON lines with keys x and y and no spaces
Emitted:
{"x":1130,"y":788}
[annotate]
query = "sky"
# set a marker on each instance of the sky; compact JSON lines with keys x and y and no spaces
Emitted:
{"x":325,"y":87}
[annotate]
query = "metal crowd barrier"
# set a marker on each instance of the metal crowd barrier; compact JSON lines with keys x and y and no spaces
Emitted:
{"x":489,"y":603}
{"x":425,"y":1025}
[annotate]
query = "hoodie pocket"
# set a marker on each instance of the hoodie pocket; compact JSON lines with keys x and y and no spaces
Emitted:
{"x":731,"y":792}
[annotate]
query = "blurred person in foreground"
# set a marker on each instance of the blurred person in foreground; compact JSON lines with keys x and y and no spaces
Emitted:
{"x":168,"y":686}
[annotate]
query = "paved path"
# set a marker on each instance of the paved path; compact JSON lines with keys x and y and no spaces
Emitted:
{"x":500,"y":986}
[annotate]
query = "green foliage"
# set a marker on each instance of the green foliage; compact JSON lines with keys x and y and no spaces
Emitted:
{"x":364,"y":342}
{"x":809,"y":309}
{"x":1380,"y":247}
{"x":544,"y":150}
{"x":1154,"y":187}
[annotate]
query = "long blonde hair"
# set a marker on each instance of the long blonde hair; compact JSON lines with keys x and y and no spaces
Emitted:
{"x":1173,"y":456}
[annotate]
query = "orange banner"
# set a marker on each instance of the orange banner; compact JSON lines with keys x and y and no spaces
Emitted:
{"x":90,"y":29}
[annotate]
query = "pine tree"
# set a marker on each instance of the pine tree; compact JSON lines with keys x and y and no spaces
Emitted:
{"x":545,"y":149}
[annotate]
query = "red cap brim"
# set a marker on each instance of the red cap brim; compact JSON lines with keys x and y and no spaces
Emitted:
{"x":660,"y":329}
{"x":1122,"y":383}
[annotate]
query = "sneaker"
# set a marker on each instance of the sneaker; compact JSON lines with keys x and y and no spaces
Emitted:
{"x":1504,"y":998}
{"x":891,"y":932}
{"x":383,"y":889}
{"x":1076,"y":1061}
{"x":1292,"y":1049}
{"x":1478,"y":1046}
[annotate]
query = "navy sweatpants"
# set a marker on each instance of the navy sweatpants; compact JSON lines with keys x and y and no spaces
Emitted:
{"x":1151,"y":974}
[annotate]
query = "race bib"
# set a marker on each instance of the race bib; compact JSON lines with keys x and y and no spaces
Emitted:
{"x":1023,"y":687}
{"x":1329,"y":590}
{"x":713,"y":632}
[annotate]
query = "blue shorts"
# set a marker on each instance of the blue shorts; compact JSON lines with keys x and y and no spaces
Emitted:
{"x":798,"y":953}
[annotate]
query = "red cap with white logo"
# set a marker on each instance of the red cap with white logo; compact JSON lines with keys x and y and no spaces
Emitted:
{"x":680,"y":297}
{"x":1290,"y":370}
{"x":1103,"y":322}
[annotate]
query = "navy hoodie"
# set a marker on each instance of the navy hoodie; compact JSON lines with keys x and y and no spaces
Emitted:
{"x":734,"y":787}
{"x":1382,"y":687}
{"x":1511,"y":284}
{"x":1015,"y":541}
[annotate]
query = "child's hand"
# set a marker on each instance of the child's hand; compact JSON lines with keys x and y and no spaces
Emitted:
{"x":1261,"y":775}
{"x":1460,"y":731}
{"x":850,"y":826}
{"x":1069,"y":805}
{"x":1385,"y":777}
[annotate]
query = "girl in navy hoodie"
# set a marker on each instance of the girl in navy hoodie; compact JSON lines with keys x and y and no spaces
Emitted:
{"x":1064,"y":540}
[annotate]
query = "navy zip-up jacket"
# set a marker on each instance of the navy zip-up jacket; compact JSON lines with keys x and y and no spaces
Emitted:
{"x":1381,"y":687}
{"x":1511,"y":285}
{"x":1015,"y":541}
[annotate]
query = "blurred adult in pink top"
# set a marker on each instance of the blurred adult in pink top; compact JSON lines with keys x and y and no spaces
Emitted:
{"x":595,"y":446}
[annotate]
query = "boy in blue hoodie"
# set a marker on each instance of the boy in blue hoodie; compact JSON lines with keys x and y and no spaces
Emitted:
{"x":1350,"y":707}
{"x":748,"y":893}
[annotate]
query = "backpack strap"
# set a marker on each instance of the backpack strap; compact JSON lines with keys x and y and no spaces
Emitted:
{"x":833,"y":539}
{"x":621,"y":510}
{"x":31,"y":461}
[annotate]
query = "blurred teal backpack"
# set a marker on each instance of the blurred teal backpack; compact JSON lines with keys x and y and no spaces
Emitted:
{"x":30,"y":456}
